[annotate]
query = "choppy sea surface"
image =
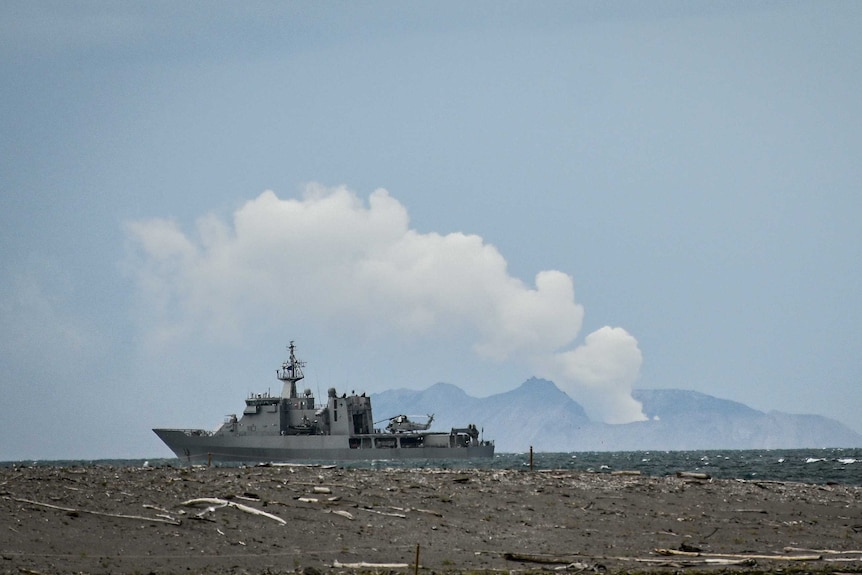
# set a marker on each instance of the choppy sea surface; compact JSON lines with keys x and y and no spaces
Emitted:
{"x":818,"y":466}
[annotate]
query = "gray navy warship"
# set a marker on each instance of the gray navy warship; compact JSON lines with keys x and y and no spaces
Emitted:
{"x":291,"y":427}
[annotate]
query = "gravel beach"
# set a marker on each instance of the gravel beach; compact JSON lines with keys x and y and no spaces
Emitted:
{"x":310,"y":519}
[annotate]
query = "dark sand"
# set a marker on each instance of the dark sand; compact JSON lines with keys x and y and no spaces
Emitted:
{"x":463,"y":521}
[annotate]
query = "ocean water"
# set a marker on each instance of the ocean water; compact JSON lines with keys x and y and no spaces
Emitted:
{"x":818,"y":466}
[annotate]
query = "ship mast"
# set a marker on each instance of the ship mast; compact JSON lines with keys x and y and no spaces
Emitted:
{"x":290,"y":373}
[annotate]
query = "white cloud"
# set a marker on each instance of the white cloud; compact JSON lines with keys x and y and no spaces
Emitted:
{"x":330,"y":257}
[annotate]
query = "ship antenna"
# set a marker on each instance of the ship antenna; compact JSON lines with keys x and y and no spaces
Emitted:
{"x":290,"y":372}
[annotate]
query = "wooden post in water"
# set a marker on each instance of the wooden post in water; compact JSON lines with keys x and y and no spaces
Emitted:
{"x":209,"y":459}
{"x":416,"y":566}
{"x":531,"y":458}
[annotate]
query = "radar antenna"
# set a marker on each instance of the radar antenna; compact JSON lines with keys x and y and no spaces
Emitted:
{"x":290,"y":373}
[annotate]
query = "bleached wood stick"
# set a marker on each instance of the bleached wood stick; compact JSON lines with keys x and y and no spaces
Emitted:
{"x":226,"y":503}
{"x":401,"y":515}
{"x":101,"y":513}
{"x":740,"y":556}
{"x":363,"y":565}
{"x":698,"y":562}
{"x":257,"y":512}
{"x":824,"y":551}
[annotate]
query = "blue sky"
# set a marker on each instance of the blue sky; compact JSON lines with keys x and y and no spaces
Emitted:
{"x":608,"y":194}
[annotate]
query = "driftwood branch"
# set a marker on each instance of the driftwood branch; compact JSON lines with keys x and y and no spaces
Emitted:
{"x":314,"y":485}
{"x":363,"y":565}
{"x":823,"y":551}
{"x":169,"y":521}
{"x":576,"y":562}
{"x":408,"y":509}
{"x":692,"y":475}
{"x":543,"y":559}
{"x":399,"y":515}
{"x":693,"y":562}
{"x":739,"y":556}
{"x":212,"y":501}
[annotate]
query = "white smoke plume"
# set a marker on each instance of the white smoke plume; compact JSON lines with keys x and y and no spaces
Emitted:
{"x":604,"y":369}
{"x":329,"y":255}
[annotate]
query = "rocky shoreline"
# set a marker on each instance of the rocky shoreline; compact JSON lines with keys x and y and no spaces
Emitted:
{"x":309,"y":519}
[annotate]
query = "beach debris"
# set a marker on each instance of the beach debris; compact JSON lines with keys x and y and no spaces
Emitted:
{"x":542,"y":558}
{"x":693,"y":475}
{"x":386,"y":513}
{"x":740,"y":556}
{"x":579,"y":566}
{"x":246,"y":497}
{"x":364,"y":565}
{"x":428,"y":511}
{"x":619,"y":520}
{"x":214,"y":503}
{"x":74,"y":512}
{"x":721,"y":561}
{"x":823,"y":551}
{"x":687,"y":563}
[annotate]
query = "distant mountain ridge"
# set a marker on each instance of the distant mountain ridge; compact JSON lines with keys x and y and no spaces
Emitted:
{"x":539,"y":414}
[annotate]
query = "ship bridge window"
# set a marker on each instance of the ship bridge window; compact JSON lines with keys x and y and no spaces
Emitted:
{"x":412,"y":441}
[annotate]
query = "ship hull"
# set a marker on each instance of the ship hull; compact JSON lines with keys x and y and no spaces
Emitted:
{"x":196,"y":446}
